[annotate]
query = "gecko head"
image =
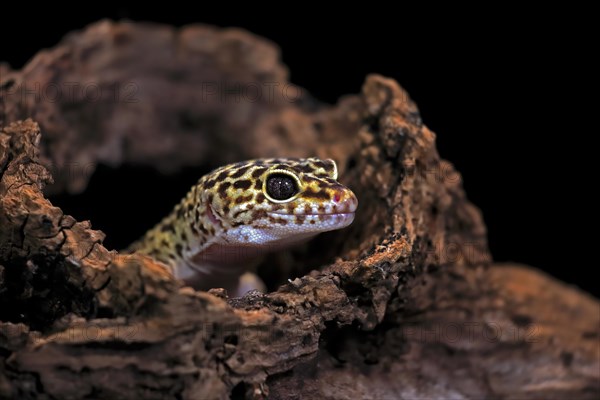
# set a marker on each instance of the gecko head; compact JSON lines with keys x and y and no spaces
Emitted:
{"x":273,"y":202}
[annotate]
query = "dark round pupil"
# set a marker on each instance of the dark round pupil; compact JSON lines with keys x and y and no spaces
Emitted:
{"x":281,"y":186}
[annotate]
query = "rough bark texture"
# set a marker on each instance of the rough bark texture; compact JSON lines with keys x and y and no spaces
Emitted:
{"x":402,"y":304}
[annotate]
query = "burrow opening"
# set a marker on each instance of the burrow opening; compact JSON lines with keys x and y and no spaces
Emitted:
{"x":126,"y":201}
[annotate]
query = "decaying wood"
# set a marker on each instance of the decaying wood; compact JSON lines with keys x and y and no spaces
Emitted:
{"x":402,"y":304}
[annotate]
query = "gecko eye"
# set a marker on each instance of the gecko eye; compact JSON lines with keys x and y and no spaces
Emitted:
{"x":281,"y":186}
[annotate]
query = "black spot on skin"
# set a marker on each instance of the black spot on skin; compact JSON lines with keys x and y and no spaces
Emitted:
{"x":167,"y":227}
{"x":244,"y":184}
{"x":258,"y":184}
{"x":320,"y":195}
{"x":290,"y":208}
{"x":321,"y":164}
{"x":307,"y":209}
{"x":180,"y":212}
{"x":240,"y":172}
{"x":300,"y":219}
{"x":235,"y":224}
{"x":184,"y":237}
{"x":258,"y":214}
{"x":226,"y":209}
{"x":312,"y":221}
{"x":222,"y":176}
{"x":258,"y":172}
{"x":279,"y":221}
{"x":304,"y":168}
{"x":195,"y":189}
{"x":210,"y":183}
{"x":309,"y":178}
{"x":238,"y":213}
{"x":260,"y":198}
{"x":178,"y":248}
{"x":223,"y":189}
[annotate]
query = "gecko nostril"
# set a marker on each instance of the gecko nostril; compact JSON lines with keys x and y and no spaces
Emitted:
{"x":337,"y":197}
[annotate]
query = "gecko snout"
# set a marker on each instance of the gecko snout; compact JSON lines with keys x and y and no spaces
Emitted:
{"x":344,"y":201}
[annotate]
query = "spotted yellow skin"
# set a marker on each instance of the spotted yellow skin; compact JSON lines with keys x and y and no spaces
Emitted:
{"x":229,"y":218}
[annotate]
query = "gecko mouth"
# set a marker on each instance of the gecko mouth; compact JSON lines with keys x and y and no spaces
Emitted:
{"x":320,"y":222}
{"x":312,"y":214}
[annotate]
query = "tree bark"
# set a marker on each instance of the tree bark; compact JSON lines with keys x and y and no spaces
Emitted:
{"x":403,"y":304}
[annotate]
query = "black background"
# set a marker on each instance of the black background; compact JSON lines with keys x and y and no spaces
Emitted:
{"x":498,"y":88}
